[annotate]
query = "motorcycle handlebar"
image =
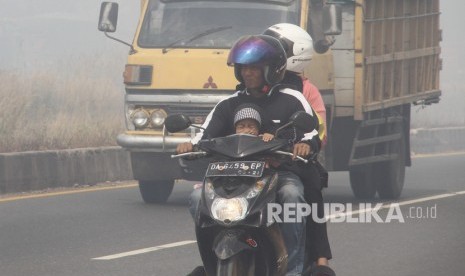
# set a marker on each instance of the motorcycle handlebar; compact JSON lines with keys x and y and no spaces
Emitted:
{"x":203,"y":153}
{"x":291,"y":154}
{"x":191,"y":154}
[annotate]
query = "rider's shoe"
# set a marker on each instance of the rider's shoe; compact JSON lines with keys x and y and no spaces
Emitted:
{"x":198,"y":271}
{"x":319,"y":270}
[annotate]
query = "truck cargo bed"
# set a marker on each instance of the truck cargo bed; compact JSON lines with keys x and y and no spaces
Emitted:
{"x":396,"y":55}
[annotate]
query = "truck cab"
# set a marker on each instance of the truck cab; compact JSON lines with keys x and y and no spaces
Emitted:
{"x":386,"y":58}
{"x":177,"y":64}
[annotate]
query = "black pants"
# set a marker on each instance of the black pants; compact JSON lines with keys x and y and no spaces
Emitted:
{"x":317,"y":244}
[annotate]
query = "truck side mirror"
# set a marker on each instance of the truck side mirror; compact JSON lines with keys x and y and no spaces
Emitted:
{"x":332,"y":19}
{"x":108,"y":17}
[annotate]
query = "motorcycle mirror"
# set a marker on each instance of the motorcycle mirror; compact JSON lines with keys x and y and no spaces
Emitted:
{"x":178,"y":122}
{"x":303,"y":121}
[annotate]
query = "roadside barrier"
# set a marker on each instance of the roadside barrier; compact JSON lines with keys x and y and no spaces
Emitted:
{"x":28,"y":171}
{"x":437,"y":140}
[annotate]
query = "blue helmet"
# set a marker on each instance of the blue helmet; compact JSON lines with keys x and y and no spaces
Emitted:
{"x":262,"y":50}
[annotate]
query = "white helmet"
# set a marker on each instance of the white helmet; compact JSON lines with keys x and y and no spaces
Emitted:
{"x":297,"y":43}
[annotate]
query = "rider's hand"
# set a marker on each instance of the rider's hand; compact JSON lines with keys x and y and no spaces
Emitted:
{"x":302,"y":150}
{"x":266,"y":137}
{"x":184,"y":147}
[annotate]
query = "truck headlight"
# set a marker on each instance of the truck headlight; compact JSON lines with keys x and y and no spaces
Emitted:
{"x":140,"y":118}
{"x":228,"y":210}
{"x":158,"y":117}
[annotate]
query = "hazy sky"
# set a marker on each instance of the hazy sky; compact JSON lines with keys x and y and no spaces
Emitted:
{"x":41,"y":33}
{"x":48,"y":30}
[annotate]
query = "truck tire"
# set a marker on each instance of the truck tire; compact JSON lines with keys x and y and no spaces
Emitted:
{"x":390,"y":175}
{"x":155,"y":191}
{"x":362,"y":182}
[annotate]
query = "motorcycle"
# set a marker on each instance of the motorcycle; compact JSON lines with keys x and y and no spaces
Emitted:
{"x":234,"y":234}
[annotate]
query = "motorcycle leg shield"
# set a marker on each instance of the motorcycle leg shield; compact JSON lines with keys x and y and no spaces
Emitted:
{"x":232,"y":241}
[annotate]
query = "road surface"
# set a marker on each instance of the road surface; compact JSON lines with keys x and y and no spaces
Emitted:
{"x":110,"y":231}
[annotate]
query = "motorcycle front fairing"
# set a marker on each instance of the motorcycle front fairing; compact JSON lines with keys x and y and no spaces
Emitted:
{"x":252,"y":194}
{"x":254,"y":233}
{"x":232,"y":215}
{"x":216,"y":243}
{"x":246,"y":191}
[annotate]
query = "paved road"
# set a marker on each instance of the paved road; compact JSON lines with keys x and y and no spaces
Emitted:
{"x":82,"y":233}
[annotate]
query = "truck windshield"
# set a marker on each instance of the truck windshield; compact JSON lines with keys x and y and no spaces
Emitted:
{"x":174,"y":24}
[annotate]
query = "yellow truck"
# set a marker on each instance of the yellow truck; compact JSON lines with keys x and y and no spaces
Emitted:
{"x":386,"y":58}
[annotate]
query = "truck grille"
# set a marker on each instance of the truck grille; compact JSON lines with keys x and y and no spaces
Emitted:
{"x":190,"y":110}
{"x":197,"y":115}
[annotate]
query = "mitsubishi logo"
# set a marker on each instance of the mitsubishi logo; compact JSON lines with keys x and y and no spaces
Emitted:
{"x":210,"y":83}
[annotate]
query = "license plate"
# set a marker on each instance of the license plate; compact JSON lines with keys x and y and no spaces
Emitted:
{"x":236,"y":168}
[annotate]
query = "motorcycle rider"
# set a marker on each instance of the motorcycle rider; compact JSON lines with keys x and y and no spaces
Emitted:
{"x":298,"y":45}
{"x":259,"y":63}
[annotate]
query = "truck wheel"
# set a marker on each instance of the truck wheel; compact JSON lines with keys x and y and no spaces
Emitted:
{"x":390,"y":175}
{"x":155,"y":191}
{"x":362,"y":182}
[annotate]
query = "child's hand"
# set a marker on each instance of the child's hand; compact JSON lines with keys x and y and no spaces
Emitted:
{"x":267,"y":137}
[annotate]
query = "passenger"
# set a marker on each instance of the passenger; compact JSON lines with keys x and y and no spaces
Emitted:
{"x":298,"y":45}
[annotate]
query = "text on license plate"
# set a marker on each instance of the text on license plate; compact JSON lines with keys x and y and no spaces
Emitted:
{"x":236,"y":168}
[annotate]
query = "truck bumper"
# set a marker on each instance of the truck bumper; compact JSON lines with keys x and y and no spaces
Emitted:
{"x":150,"y":157}
{"x":150,"y":143}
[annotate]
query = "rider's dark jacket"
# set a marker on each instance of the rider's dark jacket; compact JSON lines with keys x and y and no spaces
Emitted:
{"x":277,"y":106}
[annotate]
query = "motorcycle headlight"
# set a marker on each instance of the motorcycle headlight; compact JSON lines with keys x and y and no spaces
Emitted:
{"x":158,"y":117}
{"x":229,"y":210}
{"x":140,"y":118}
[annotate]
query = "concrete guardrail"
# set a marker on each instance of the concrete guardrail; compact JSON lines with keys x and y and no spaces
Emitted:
{"x":28,"y":171}
{"x":437,"y":140}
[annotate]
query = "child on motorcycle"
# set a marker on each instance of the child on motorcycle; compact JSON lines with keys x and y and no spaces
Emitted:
{"x":248,"y":121}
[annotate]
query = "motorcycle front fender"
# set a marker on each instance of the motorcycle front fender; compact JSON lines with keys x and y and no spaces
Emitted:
{"x":231,"y":242}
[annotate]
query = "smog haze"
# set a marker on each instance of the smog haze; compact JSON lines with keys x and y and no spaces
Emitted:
{"x":38,"y":35}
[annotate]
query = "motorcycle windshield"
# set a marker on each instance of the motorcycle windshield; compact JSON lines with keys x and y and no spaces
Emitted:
{"x":240,"y":145}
